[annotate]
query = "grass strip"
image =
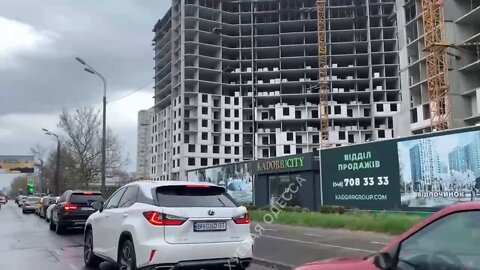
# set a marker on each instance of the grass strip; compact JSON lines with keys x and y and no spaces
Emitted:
{"x":381,"y":223}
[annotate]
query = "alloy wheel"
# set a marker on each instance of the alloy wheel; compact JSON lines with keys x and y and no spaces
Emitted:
{"x":126,"y":259}
{"x":88,"y":246}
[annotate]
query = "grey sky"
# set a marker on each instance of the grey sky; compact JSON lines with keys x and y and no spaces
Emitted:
{"x":39,"y":76}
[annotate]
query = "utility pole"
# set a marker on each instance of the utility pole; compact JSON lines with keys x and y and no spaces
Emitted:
{"x":91,"y":70}
{"x":57,"y":167}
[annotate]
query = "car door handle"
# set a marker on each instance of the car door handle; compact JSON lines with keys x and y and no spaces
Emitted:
{"x":125,"y":215}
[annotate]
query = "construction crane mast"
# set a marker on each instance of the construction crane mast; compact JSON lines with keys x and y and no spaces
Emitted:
{"x":437,"y":64}
{"x":323,"y":71}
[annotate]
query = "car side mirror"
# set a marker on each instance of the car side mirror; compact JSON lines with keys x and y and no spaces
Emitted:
{"x":97,"y":205}
{"x":383,"y":261}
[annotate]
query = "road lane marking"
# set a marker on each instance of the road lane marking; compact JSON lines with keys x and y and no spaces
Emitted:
{"x":312,"y":234}
{"x":315,"y":243}
{"x":273,"y":230}
{"x":379,"y":243}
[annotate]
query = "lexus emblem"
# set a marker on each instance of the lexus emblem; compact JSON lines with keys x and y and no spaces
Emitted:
{"x":211,"y":213}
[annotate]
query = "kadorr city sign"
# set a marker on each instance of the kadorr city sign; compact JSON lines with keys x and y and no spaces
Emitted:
{"x":290,"y":163}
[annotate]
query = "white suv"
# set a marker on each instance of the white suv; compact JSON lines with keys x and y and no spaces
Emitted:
{"x":165,"y":224}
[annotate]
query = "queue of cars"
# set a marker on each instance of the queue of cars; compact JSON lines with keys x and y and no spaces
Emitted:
{"x":153,"y":225}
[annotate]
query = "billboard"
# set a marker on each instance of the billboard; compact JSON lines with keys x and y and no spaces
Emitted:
{"x":16,"y":164}
{"x":13,"y":166}
{"x":236,"y":178}
{"x":426,"y":172}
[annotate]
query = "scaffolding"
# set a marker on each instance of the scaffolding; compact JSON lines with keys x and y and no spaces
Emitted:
{"x":437,"y":64}
{"x":323,"y":72}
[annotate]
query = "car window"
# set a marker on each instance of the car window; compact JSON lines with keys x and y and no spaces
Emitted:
{"x":194,"y":196}
{"x":115,"y":199}
{"x":129,"y":197}
{"x":85,"y":198}
{"x":453,"y":240}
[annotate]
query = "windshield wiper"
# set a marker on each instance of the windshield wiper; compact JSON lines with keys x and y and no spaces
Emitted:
{"x":221,"y":202}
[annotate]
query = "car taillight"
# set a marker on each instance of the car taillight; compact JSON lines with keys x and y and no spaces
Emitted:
{"x":70,"y":207}
{"x":159,"y":219}
{"x":243,"y":219}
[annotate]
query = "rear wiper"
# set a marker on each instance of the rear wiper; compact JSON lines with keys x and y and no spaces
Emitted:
{"x":221,"y":202}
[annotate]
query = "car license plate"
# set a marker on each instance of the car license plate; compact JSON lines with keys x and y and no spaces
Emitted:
{"x":209,"y":226}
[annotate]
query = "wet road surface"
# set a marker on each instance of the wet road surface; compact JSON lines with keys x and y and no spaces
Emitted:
{"x":26,"y":243}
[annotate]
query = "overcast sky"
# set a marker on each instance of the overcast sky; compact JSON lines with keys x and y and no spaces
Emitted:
{"x":39,"y":76}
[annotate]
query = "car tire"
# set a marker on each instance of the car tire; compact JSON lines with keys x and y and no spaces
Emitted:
{"x":52,"y":225}
{"x":90,"y":259}
{"x":23,"y":211}
{"x":126,"y":257}
{"x":59,"y":229}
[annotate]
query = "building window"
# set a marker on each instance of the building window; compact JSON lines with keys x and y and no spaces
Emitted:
{"x":204,"y":98}
{"x":381,"y":133}
{"x":341,"y":135}
{"x":286,"y":149}
{"x":204,"y":110}
{"x":227,"y":100}
{"x":228,"y":150}
{"x":379,"y":107}
{"x":191,"y":148}
{"x":289,"y":136}
{"x":186,"y":138}
{"x":235,"y":101}
{"x":203,"y":162}
{"x":203,"y":149}
{"x":173,"y":152}
{"x":216,"y":149}
{"x":315,"y":114}
{"x":237,"y":125}
{"x":393,"y":107}
{"x":237,"y":150}
{"x":264,"y":140}
{"x":179,"y":112}
{"x":227,"y":112}
{"x":237,"y":137}
{"x":338,"y":110}
{"x":316,"y":138}
{"x":187,"y":100}
{"x":265,"y":152}
{"x":286,"y":111}
{"x":299,"y":150}
{"x":227,"y":125}
{"x":227,"y":137}
{"x":204,"y":123}
{"x":216,"y":161}
{"x":237,"y":114}
{"x":174,"y":114}
{"x":187,"y":113}
{"x":204,"y":136}
{"x":227,"y":160}
{"x":299,"y":139}
{"x":191,"y":161}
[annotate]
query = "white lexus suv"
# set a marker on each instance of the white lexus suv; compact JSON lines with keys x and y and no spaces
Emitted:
{"x":165,"y":224}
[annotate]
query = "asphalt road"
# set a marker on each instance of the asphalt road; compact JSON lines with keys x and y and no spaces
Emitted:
{"x":26,"y":243}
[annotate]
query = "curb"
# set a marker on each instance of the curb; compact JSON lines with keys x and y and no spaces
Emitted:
{"x":271,"y":264}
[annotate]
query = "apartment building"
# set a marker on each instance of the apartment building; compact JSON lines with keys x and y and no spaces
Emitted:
{"x":462,"y":28}
{"x":238,"y":80}
{"x":144,"y":144}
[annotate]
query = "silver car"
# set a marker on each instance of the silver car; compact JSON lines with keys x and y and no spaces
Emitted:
{"x":30,"y":204}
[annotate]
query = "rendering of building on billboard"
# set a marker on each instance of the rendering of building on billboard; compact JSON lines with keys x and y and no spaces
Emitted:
{"x":425,"y":172}
{"x":236,"y":178}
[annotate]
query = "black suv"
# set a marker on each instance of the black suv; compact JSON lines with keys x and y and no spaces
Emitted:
{"x":73,"y":209}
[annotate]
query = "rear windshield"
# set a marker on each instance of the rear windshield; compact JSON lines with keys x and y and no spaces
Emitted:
{"x":184,"y":196}
{"x":86,"y":199}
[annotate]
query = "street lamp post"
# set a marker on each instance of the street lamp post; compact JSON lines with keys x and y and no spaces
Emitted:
{"x":91,"y":70}
{"x":57,"y":166}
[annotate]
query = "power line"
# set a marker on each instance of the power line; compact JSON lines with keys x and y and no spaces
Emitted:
{"x":130,"y":93}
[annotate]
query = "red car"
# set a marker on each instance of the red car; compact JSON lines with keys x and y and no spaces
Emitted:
{"x":449,"y":239}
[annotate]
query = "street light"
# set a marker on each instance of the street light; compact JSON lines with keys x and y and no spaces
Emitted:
{"x":57,"y":166}
{"x":91,"y":70}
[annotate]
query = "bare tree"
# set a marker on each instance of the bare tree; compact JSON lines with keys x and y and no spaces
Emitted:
{"x":39,"y":152}
{"x":83,"y":142}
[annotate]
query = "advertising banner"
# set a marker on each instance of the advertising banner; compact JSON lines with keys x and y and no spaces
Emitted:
{"x":16,"y":164}
{"x":418,"y":173}
{"x":236,"y":178}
